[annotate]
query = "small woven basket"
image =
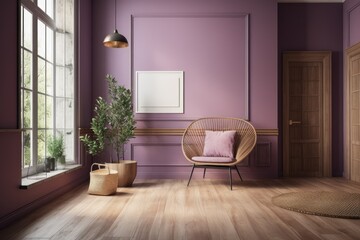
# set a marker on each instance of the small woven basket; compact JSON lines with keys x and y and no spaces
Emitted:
{"x":103,"y":181}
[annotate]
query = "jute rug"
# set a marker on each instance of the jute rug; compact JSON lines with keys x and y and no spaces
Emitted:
{"x":329,"y":204}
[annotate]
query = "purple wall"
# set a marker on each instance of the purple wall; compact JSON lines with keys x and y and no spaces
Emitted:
{"x":8,"y":66}
{"x":351,"y":23}
{"x":15,"y":202}
{"x":205,"y":39}
{"x":318,"y":27}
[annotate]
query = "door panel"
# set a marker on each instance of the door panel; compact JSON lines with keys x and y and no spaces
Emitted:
{"x":305,"y":103}
{"x":306,"y":88}
{"x":353,"y":73}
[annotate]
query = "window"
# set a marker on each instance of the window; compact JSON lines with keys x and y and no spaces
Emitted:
{"x":47,"y":79}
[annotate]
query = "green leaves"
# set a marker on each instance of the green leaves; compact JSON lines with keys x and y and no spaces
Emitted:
{"x":56,"y":147}
{"x":113,"y":123}
{"x":96,"y":143}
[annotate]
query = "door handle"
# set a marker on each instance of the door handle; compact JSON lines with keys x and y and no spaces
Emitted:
{"x":291,"y":122}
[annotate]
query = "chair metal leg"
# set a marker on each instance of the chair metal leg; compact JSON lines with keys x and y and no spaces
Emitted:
{"x":204,"y":172}
{"x":192,"y":170}
{"x":238,"y":172}
{"x":230,"y":178}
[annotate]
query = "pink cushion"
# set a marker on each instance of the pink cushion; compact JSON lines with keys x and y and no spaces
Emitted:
{"x":219,"y":144}
{"x":213,"y":159}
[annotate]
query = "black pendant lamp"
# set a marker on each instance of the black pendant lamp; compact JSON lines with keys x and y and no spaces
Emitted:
{"x":115,"y":40}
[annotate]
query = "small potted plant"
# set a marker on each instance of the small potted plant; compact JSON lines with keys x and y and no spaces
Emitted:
{"x":113,"y":125}
{"x":56,"y":150}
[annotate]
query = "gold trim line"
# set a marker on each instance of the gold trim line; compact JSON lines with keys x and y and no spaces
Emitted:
{"x":178,"y":132}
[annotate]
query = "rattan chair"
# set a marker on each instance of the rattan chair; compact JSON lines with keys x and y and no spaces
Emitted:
{"x":194,"y":138}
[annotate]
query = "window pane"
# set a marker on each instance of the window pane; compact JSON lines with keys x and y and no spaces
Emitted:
{"x":27,"y":139}
{"x":69,"y":16}
{"x":69,"y":145}
{"x":69,"y":51}
{"x":50,"y":8}
{"x":60,"y":83}
{"x":41,"y":75}
{"x":28,"y":30}
{"x":60,"y":23}
{"x":69,"y":82}
{"x":49,"y":44}
{"x":41,"y":111}
{"x":49,"y":135}
{"x":41,"y":146}
{"x":49,"y":78}
{"x":22,"y":67}
{"x":60,"y":41}
{"x":28,"y":69}
{"x":49,"y":112}
{"x":60,"y":113}
{"x":69,"y":115}
{"x":22,"y":108}
{"x":41,"y":39}
{"x":22,"y":26}
{"x":27,"y":108}
{"x":41,"y":4}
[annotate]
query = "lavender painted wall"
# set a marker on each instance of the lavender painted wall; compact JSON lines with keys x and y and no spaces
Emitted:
{"x":318,"y":27}
{"x":351,"y":23}
{"x":15,"y":202}
{"x":211,"y":74}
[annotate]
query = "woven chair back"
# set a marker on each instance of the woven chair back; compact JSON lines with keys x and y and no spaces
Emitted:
{"x":194,"y":137}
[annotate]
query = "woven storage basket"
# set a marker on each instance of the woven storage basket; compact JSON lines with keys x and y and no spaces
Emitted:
{"x":103,"y":181}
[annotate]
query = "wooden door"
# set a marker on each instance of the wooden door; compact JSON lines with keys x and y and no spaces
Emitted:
{"x":306,"y":114}
{"x":353,"y":108}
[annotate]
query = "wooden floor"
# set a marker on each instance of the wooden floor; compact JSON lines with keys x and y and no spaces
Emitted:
{"x":167,"y":209}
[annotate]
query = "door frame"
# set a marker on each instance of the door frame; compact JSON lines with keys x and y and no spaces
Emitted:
{"x":350,"y":52}
{"x":305,"y":56}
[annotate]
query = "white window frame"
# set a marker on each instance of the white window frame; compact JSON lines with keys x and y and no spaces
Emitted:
{"x":38,"y":14}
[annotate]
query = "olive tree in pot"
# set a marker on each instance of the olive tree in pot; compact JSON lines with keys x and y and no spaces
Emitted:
{"x":113,"y":125}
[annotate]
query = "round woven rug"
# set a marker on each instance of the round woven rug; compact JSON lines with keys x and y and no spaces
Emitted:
{"x":329,"y":204}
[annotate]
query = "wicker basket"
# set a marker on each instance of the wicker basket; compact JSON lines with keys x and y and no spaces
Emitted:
{"x":103,"y":181}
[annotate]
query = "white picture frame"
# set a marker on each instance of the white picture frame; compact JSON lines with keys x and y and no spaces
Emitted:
{"x":159,"y":92}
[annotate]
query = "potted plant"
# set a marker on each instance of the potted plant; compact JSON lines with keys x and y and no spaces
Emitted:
{"x":113,"y":125}
{"x":56,"y":150}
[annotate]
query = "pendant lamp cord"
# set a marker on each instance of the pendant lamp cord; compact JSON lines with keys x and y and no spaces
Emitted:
{"x":115,"y":14}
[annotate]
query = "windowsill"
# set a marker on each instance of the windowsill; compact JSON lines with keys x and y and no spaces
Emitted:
{"x":29,"y":181}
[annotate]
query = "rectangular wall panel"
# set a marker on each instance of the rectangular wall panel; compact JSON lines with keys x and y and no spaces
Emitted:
{"x":211,"y":49}
{"x":262,"y":154}
{"x":165,"y":160}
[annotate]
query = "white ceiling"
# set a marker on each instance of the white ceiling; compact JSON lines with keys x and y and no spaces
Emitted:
{"x":311,"y":1}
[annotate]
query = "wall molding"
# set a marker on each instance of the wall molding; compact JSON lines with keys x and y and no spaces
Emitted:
{"x":201,"y":15}
{"x":180,"y":131}
{"x":164,"y":165}
{"x":176,"y":131}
